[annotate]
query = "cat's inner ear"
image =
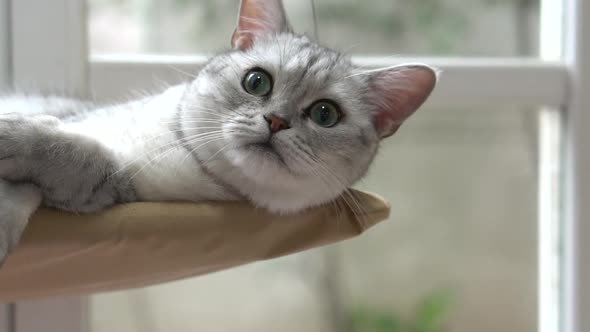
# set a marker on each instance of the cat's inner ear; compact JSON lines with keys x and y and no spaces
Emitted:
{"x":256,"y":18}
{"x":397,"y":93}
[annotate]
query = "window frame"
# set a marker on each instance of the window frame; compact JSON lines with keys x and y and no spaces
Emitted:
{"x":518,"y":82}
{"x":59,"y":35}
{"x":575,"y":165}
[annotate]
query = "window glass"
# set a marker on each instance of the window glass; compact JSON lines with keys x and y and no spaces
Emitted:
{"x":367,"y":27}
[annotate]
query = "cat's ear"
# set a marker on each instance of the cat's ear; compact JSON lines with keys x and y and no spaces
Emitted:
{"x":397,"y":93}
{"x":258,"y":17}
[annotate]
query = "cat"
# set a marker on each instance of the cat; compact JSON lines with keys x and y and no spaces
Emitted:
{"x":277,"y":120}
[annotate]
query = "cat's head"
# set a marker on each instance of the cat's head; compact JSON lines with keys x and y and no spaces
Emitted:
{"x":292,"y":123}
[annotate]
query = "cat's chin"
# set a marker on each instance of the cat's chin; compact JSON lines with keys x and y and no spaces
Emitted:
{"x":255,"y":158}
{"x":266,"y":151}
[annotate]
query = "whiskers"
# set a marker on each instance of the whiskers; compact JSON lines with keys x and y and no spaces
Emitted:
{"x":195,"y":117}
{"x":177,"y":144}
{"x":178,"y":70}
{"x":212,"y":138}
{"x":333,"y":183}
{"x":170,"y":144}
{"x":329,"y":177}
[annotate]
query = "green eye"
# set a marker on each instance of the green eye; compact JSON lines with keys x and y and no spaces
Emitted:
{"x":257,"y":82}
{"x":325,"y":113}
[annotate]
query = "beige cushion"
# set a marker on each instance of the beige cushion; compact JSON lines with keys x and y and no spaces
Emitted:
{"x":142,"y":244}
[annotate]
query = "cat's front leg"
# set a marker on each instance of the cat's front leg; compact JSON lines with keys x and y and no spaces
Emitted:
{"x":74,"y":172}
{"x":17,"y":204}
{"x":20,"y":136}
{"x":17,"y":200}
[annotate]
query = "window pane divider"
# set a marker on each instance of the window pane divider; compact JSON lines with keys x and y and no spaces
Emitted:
{"x":463,"y":81}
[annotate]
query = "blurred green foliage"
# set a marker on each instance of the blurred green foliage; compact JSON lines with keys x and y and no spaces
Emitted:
{"x":430,"y":315}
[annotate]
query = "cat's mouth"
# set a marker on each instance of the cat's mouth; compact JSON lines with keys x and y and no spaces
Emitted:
{"x":266,"y":150}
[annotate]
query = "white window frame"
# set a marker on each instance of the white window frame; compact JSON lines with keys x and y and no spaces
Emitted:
{"x":576,"y":168}
{"x":43,"y":45}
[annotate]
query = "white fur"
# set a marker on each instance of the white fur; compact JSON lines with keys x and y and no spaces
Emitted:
{"x":138,"y":133}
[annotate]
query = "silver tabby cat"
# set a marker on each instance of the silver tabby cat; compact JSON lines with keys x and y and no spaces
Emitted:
{"x":277,"y":120}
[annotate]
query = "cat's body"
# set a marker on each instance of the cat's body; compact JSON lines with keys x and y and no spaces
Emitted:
{"x":279,"y":121}
{"x":126,"y":141}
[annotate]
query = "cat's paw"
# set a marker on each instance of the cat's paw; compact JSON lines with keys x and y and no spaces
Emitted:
{"x":17,"y":204}
{"x":16,"y":125}
{"x":18,"y":119}
{"x":20,"y":135}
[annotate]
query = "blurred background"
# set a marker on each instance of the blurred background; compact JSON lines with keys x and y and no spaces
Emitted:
{"x":459,"y":252}
{"x":371,"y":27}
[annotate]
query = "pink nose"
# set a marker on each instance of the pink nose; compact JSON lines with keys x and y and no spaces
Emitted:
{"x":275,"y":123}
